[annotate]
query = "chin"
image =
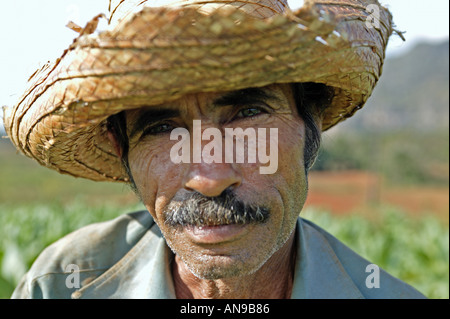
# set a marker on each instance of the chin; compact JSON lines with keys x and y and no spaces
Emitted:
{"x":220,"y":267}
{"x":214,"y":267}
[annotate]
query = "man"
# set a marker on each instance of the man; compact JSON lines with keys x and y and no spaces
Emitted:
{"x":152,"y":101}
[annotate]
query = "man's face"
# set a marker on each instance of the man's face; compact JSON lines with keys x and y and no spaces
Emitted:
{"x":197,"y":205}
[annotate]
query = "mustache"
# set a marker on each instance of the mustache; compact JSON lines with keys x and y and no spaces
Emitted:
{"x":195,"y":209}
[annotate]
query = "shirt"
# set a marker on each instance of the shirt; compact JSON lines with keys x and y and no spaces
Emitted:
{"x":127,"y":257}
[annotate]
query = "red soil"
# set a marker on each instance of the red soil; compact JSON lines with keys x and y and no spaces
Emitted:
{"x":353,"y":191}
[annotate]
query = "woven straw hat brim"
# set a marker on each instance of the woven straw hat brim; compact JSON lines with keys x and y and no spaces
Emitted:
{"x":160,"y":54}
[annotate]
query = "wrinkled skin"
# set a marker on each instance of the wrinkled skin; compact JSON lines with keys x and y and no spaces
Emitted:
{"x":257,"y":262}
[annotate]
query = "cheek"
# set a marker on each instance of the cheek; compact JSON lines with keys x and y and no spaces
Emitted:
{"x":155,"y":175}
{"x":291,"y":169}
{"x":287,"y":187}
{"x":291,"y":146}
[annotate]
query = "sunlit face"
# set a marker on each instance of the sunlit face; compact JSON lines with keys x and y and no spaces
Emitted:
{"x":213,"y":246}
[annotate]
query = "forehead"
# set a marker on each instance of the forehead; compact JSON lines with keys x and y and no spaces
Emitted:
{"x":279,"y":96}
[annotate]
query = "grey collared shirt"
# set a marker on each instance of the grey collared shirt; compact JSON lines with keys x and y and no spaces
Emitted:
{"x":128,"y":258}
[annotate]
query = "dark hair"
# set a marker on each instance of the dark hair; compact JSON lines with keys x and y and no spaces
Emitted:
{"x":311,"y":100}
{"x":117,"y":125}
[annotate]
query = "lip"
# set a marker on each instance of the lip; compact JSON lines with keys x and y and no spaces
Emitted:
{"x":215,"y":234}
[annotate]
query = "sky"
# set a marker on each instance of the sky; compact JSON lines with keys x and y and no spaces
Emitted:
{"x":33,"y":32}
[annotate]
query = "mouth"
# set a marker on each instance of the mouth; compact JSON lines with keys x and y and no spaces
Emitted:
{"x":214,"y":219}
{"x":215,"y":234}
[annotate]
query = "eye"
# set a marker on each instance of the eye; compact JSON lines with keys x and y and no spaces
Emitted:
{"x":250,"y":112}
{"x":156,"y":129}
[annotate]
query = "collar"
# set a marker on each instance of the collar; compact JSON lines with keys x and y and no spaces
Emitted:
{"x":143,"y":273}
{"x":318,"y":272}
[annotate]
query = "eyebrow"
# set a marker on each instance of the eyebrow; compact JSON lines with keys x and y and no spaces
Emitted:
{"x":245,"y":96}
{"x":150,"y":116}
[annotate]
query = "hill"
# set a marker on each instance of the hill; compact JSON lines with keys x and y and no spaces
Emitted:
{"x":413,"y":93}
{"x":402,"y":133}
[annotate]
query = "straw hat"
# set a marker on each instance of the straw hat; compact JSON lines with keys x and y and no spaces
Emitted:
{"x":149,"y":55}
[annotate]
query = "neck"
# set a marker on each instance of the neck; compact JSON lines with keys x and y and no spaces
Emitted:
{"x":274,"y":280}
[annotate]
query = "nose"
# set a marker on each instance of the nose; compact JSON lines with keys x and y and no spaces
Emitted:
{"x":211,"y":179}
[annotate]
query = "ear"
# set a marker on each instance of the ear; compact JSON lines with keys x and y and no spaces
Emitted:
{"x":113,"y":140}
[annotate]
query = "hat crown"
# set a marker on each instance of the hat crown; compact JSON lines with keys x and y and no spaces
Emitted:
{"x":257,"y":8}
